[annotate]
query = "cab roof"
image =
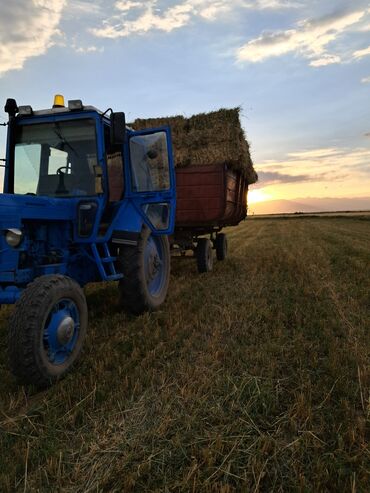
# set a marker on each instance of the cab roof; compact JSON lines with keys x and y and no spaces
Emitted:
{"x":56,"y":111}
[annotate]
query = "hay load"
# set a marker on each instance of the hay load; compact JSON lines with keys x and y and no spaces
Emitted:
{"x":207,"y":138}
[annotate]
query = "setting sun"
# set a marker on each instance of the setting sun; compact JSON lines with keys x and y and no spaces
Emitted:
{"x":258,"y":195}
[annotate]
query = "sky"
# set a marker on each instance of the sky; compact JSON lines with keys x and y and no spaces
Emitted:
{"x":299,"y":69}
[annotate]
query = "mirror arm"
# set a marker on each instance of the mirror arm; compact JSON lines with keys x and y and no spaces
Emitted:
{"x":106,"y":111}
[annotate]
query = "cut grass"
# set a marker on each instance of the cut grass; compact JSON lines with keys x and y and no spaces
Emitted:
{"x":254,"y":377}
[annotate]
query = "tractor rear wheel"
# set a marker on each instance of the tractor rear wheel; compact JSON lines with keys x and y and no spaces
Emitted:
{"x":47,"y":330}
{"x":221,"y":246}
{"x":146,"y":271}
{"x":204,"y":255}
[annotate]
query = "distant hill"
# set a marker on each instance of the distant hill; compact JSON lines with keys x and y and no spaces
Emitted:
{"x":310,"y":204}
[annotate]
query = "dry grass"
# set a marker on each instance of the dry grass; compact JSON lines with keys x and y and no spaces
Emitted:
{"x":207,"y":138}
{"x":254,"y":377}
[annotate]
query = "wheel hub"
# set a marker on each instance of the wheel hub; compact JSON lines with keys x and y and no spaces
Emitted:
{"x":154,"y":264}
{"x":65,"y":330}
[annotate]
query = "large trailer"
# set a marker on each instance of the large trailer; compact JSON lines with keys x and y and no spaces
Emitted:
{"x":209,"y":198}
{"x":213,"y":170}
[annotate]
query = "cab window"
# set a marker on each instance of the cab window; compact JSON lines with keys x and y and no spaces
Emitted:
{"x":56,"y":159}
{"x":149,"y":162}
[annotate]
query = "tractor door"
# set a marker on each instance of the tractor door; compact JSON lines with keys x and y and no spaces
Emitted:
{"x":151,"y":180}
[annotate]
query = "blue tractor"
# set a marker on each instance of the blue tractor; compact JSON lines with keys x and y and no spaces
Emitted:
{"x":86,"y":199}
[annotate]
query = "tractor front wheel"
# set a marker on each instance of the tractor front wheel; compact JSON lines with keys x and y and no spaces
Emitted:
{"x":146,"y":273}
{"x":47,"y":329}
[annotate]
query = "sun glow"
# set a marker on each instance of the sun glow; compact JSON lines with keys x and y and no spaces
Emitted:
{"x":258,"y":195}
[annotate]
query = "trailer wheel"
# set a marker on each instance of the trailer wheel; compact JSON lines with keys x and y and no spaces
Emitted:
{"x":204,"y":255}
{"x":47,"y":330}
{"x":221,"y":246}
{"x":146,"y":271}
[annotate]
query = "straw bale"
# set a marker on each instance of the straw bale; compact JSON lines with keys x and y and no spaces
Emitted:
{"x":207,"y":138}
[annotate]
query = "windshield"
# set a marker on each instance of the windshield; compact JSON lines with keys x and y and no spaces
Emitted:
{"x":56,"y":159}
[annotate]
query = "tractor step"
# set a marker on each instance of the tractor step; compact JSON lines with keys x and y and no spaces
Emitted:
{"x":107,"y":260}
{"x":114,"y":277}
{"x":105,"y":263}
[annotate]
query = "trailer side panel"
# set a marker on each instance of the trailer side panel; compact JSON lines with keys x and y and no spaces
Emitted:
{"x":211,"y":196}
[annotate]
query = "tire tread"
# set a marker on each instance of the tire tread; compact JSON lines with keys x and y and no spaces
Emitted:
{"x":133,"y":295}
{"x":202,"y":250}
{"x":24,"y":322}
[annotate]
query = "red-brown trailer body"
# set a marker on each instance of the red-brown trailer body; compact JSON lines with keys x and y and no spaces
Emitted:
{"x":209,"y":198}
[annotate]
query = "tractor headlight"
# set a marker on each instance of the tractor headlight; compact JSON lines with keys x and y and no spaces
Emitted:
{"x":13,"y":237}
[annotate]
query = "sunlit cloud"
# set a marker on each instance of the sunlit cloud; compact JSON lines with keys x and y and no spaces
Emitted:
{"x":28,"y":28}
{"x":309,"y":39}
{"x":329,"y":165}
{"x":149,"y":17}
{"x":315,"y":153}
{"x":362,"y":53}
{"x":334,"y":157}
{"x":133,"y":17}
{"x":366,"y":80}
{"x":326,"y":59}
{"x":126,"y":5}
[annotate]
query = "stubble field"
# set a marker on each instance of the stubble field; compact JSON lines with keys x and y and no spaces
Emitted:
{"x":254,"y":377}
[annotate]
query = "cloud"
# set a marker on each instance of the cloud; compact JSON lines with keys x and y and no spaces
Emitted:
{"x":266,"y":178}
{"x":309,"y":39}
{"x":126,"y":5}
{"x":87,"y":49}
{"x":362,"y":53}
{"x":272,"y":177}
{"x":324,"y":164}
{"x":274,"y":4}
{"x":133,"y":17}
{"x":326,"y":59}
{"x":27,"y":29}
{"x":147,"y":19}
{"x":366,"y":80}
{"x":321,"y":153}
{"x":84,"y":7}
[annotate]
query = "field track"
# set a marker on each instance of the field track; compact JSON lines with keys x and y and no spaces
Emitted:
{"x":254,"y":377}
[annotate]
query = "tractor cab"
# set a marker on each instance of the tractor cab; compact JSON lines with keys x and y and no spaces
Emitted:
{"x":78,"y":153}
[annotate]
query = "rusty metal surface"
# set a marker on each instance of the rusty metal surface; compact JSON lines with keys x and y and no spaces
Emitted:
{"x":209,"y":196}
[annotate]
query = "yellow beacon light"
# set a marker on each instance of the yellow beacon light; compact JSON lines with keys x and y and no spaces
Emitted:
{"x":58,"y":101}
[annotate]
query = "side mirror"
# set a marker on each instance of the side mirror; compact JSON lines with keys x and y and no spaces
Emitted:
{"x":117,"y":128}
